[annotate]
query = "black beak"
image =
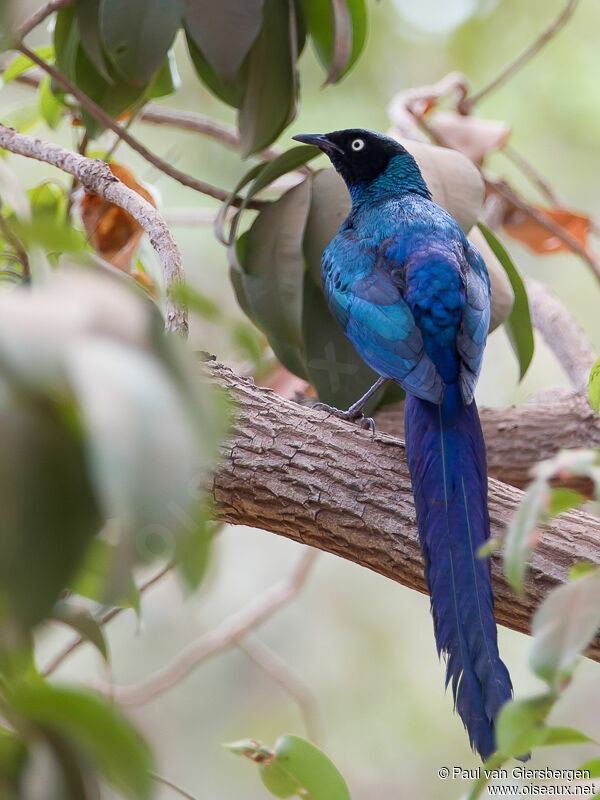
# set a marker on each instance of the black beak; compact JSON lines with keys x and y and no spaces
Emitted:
{"x":319,"y":140}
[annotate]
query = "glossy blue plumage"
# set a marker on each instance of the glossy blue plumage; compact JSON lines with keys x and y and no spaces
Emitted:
{"x":413,"y":296}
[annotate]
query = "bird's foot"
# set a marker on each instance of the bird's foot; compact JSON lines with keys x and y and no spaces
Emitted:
{"x":349,"y":416}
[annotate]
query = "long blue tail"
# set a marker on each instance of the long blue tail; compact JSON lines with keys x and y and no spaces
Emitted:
{"x":446,"y":456}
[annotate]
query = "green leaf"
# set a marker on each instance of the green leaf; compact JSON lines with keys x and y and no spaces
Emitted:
{"x":580,"y":568}
{"x":563,"y":626}
{"x":269,"y":101}
{"x":23,"y":118}
{"x":294,"y":767}
{"x":332,"y":364}
{"x":518,"y":542}
{"x":103,"y":578}
{"x":563,"y":499}
{"x":273,"y":265}
{"x":22,"y":64}
{"x":47,"y":511}
{"x":87,"y":14}
{"x":97,"y":728}
{"x":167,"y":79}
{"x":593,"y":767}
{"x":82,"y":623}
{"x":338,"y":30}
{"x":310,"y":767}
{"x":562,"y":735}
{"x":521,"y":724}
{"x":224,"y":31}
{"x":195,"y":301}
{"x":594,"y":387}
{"x":193,"y":551}
{"x":288,"y":161}
{"x":51,"y":108}
{"x":329,"y":207}
{"x":231,"y":92}
{"x":137,"y":35}
{"x":66,"y":41}
{"x":518,"y":324}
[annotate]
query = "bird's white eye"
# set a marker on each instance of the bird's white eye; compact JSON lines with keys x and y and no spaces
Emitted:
{"x":358,"y":144}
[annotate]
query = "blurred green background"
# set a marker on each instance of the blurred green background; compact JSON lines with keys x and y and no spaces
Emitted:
{"x":362,"y":644}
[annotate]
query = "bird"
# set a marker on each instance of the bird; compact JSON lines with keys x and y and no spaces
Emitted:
{"x":413,"y":296}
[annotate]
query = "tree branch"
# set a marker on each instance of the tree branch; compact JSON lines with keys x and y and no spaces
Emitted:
{"x":561,"y":333}
{"x":40,"y":15}
{"x":101,"y":116}
{"x":528,"y":53}
{"x":95,"y":176}
{"x":310,"y":477}
{"x":227,"y":634}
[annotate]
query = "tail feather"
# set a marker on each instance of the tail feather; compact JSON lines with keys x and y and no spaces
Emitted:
{"x":446,"y":456}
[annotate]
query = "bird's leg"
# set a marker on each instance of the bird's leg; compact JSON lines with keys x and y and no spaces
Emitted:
{"x":354,"y":413}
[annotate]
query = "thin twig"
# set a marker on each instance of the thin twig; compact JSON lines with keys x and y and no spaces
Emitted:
{"x":221,"y":638}
{"x":561,"y":333}
{"x":531,"y":173}
{"x":104,"y":619}
{"x":40,"y":15}
{"x":284,"y":674}
{"x":169,"y":784}
{"x":96,"y":176}
{"x":466,"y":105}
{"x":105,"y":119}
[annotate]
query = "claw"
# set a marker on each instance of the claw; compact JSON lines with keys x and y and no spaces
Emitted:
{"x":367,"y":423}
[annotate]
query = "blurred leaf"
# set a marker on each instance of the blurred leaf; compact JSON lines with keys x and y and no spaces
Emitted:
{"x":22,"y":118}
{"x":87,"y":14}
{"x":269,"y":101}
{"x":167,"y":79}
{"x":51,"y":108}
{"x":193,"y":551}
{"x":518,"y":324}
{"x":137,"y":35}
{"x":47,"y":510}
{"x":274,"y":266}
{"x":333,"y":366}
{"x":310,"y":767}
{"x":563,"y":499}
{"x":338,"y":31}
{"x":542,"y":241}
{"x":22,"y":64}
{"x":48,"y":226}
{"x":563,"y":626}
{"x":101,"y":577}
{"x":521,"y":724}
{"x":82,"y":623}
{"x":231,"y":92}
{"x":580,"y":568}
{"x":594,"y":387}
{"x":97,"y":728}
{"x":224,"y":31}
{"x":518,"y":542}
{"x":593,"y":767}
{"x":141,"y":470}
{"x":562,"y":735}
{"x":195,"y":301}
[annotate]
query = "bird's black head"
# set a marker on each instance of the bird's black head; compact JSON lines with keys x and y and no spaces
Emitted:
{"x":360,"y":156}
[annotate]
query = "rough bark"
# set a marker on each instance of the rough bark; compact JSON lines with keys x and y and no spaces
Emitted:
{"x":519,"y":437}
{"x":310,"y":477}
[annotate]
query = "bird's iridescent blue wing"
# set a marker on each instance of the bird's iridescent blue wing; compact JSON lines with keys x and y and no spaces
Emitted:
{"x":473,"y":332}
{"x":366,"y":299}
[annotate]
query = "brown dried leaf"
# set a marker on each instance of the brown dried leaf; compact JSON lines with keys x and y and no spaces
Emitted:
{"x":543,"y":241}
{"x":113,"y":232}
{"x":472,"y":136}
